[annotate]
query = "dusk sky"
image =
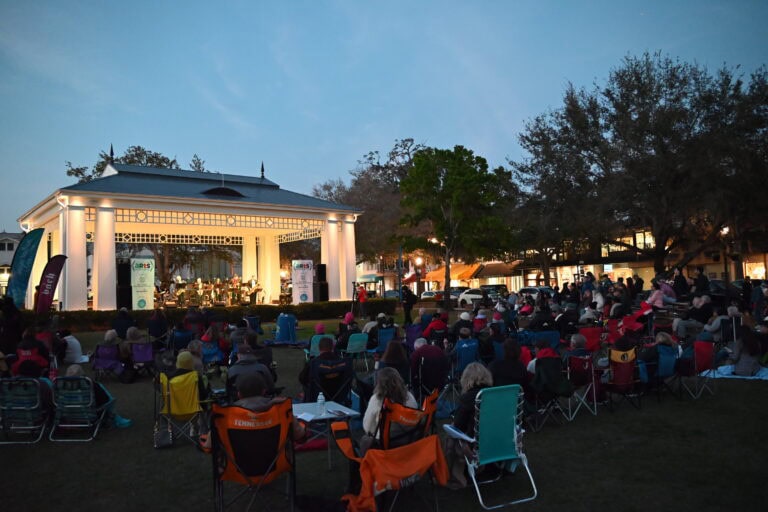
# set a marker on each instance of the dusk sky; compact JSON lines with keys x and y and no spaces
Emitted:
{"x":309,"y":87}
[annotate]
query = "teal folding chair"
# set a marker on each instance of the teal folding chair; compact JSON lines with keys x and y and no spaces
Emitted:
{"x":23,"y":414}
{"x":357,"y":347}
{"x":314,"y":347}
{"x":498,"y":438}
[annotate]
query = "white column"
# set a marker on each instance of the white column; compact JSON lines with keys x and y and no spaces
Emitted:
{"x":75,"y":290}
{"x":331,"y":258}
{"x":250,"y":258}
{"x":104,"y":278}
{"x":269,"y":267}
{"x":349,"y":257}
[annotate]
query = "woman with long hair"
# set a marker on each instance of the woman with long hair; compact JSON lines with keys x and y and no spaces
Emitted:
{"x":389,"y":385}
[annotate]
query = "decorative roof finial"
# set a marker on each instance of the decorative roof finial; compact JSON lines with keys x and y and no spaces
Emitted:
{"x":111,"y":154}
{"x":262,"y":169}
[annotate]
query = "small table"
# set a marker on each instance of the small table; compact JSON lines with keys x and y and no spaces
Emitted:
{"x":311,"y":412}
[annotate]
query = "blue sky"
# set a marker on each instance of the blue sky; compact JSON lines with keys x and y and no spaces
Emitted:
{"x":309,"y":87}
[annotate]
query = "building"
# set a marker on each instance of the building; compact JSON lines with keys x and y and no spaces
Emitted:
{"x":9,"y":242}
{"x":141,"y":205}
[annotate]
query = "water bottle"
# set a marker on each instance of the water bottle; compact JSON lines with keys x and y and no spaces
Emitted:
{"x":321,"y":402}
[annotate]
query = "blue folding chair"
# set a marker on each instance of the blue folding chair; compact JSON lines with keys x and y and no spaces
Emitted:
{"x":498,"y":438}
{"x":23,"y":414}
{"x":314,"y":347}
{"x":384,"y":336}
{"x":666,"y":368}
{"x":357,"y":348}
{"x":552,"y":337}
{"x":285,"y":331}
{"x":254,"y":323}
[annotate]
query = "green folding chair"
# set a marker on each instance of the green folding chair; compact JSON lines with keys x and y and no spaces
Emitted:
{"x":498,"y":438}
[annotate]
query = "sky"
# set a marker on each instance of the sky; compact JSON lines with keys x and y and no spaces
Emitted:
{"x":309,"y":87}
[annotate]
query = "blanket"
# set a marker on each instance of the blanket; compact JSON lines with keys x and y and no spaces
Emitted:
{"x":726,"y":372}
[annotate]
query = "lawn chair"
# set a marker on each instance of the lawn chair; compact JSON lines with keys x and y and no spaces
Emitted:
{"x":177,"y":404}
{"x":76,"y":417}
{"x":285,"y":329}
{"x":179,"y":340}
{"x":357,"y":348}
{"x":143,"y":357}
{"x":466,"y":352}
{"x":498,"y":437}
{"x":332,"y":378}
{"x":314,"y":347}
{"x":400,"y":425}
{"x":254,"y":323}
{"x":581,"y":375}
{"x":666,"y":369}
{"x":700,"y":369}
{"x":433,"y":376}
{"x":594,"y":336}
{"x":383,"y":337}
{"x":623,"y":377}
{"x":412,"y":333}
{"x":548,"y":386}
{"x":23,"y":411}
{"x":552,"y":338}
{"x":391,"y":470}
{"x":106,"y":361}
{"x":251,"y":449}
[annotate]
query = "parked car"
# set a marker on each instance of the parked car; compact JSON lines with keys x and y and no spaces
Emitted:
{"x":535,"y":290}
{"x":495,"y":290}
{"x":392,"y":294}
{"x":458,"y":290}
{"x":467,"y":296}
{"x":432,"y":295}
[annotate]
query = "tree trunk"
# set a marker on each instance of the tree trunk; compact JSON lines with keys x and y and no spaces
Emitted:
{"x":447,"y":285}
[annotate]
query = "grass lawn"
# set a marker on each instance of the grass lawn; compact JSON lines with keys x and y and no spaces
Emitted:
{"x":671,"y":455}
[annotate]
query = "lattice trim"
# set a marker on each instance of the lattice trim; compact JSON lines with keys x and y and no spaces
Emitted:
{"x":214,"y":219}
{"x":160,"y":238}
{"x":307,"y":234}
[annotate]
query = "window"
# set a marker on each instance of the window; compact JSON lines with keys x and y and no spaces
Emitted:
{"x":2,"y":246}
{"x":9,"y":246}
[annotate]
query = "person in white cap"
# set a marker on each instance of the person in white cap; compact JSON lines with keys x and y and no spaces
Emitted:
{"x":465,"y":320}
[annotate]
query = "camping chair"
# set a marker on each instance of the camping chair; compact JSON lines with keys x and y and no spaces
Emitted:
{"x":400,"y":425}
{"x":498,"y":437}
{"x":106,"y":360}
{"x":552,"y":338}
{"x":581,"y":375}
{"x":384,"y":470}
{"x":251,"y":449}
{"x":466,"y":352}
{"x":180,"y":340}
{"x":433,"y":376}
{"x":623,"y":379}
{"x":23,"y":412}
{"x":665,"y":369}
{"x":314,"y":347}
{"x":594,"y":336}
{"x":549,"y":384}
{"x":254,"y":323}
{"x":76,"y":415}
{"x":383,"y":336}
{"x":285,"y":329}
{"x":357,"y":348}
{"x":179,"y":404}
{"x":700,"y":369}
{"x":332,"y":378}
{"x":143,"y":357}
{"x":412,"y":333}
{"x":212,"y":354}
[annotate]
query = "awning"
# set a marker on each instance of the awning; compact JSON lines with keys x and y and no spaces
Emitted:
{"x":498,"y":269}
{"x":459,"y":272}
{"x":369,"y":278}
{"x":410,"y":279}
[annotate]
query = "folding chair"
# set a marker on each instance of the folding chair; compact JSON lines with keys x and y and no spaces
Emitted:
{"x":179,"y":340}
{"x":106,"y":361}
{"x":357,"y":348}
{"x":332,"y":378}
{"x":285,"y":328}
{"x":314,"y":347}
{"x":432,"y":376}
{"x":666,"y":369}
{"x":581,"y":375}
{"x":383,"y":336}
{"x":76,"y":415}
{"x":552,"y":338}
{"x":412,"y":333}
{"x":251,"y":449}
{"x":254,"y":322}
{"x":400,"y":425}
{"x":143,"y":357}
{"x":23,"y":412}
{"x":623,"y":379}
{"x":549,"y":384}
{"x":391,"y":470}
{"x":594,"y":336}
{"x":498,"y":437}
{"x":179,"y":404}
{"x":700,"y":369}
{"x":466,"y":352}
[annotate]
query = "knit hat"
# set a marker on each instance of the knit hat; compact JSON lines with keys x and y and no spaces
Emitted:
{"x":465,"y":316}
{"x":185,"y":361}
{"x":319,"y":328}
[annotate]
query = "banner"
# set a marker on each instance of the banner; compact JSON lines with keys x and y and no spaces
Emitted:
{"x":48,"y":282}
{"x":142,"y":283}
{"x":21,"y":267}
{"x":301,"y":278}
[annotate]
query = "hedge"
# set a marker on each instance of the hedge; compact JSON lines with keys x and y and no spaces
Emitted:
{"x":87,"y":320}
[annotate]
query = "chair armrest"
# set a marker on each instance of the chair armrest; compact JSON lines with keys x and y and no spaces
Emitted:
{"x":457,"y":434}
{"x":343,"y":437}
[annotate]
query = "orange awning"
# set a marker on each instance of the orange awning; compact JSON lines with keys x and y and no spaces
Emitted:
{"x":459,"y":272}
{"x":498,"y":269}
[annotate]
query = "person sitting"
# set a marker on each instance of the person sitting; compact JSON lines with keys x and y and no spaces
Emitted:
{"x":74,"y":350}
{"x":102,"y":396}
{"x":485,"y":344}
{"x":543,"y":349}
{"x":373,"y":333}
{"x":133,"y":336}
{"x":372,"y":322}
{"x":700,"y":283}
{"x":746,"y":353}
{"x":424,"y":318}
{"x":157,"y":327}
{"x":353,"y":328}
{"x":680,"y":284}
{"x":699,"y":314}
{"x":326,"y":354}
{"x":437,"y":324}
{"x":214,"y":335}
{"x":237,"y":337}
{"x":656,"y":298}
{"x":474,"y":378}
{"x":565,"y":322}
{"x":480,"y":322}
{"x":542,"y":319}
{"x":349,"y":318}
{"x":590,"y":315}
{"x":248,"y":364}
{"x":395,"y":356}
{"x":465,"y":320}
{"x":195,"y":347}
{"x":712,"y":330}
{"x":122,"y":322}
{"x":185,"y":363}
{"x":509,"y":370}
{"x":577,"y":347}
{"x":465,"y":340}
{"x":389,"y":385}
{"x":33,"y":350}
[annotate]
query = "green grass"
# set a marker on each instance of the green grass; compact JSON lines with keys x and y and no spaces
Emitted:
{"x":699,"y":455}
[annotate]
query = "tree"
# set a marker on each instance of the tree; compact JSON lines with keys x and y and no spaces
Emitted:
{"x":134,"y":155}
{"x":652,"y":149}
{"x":197,"y":164}
{"x":454,"y":192}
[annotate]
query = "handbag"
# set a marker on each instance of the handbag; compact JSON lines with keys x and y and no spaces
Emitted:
{"x":163,"y":434}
